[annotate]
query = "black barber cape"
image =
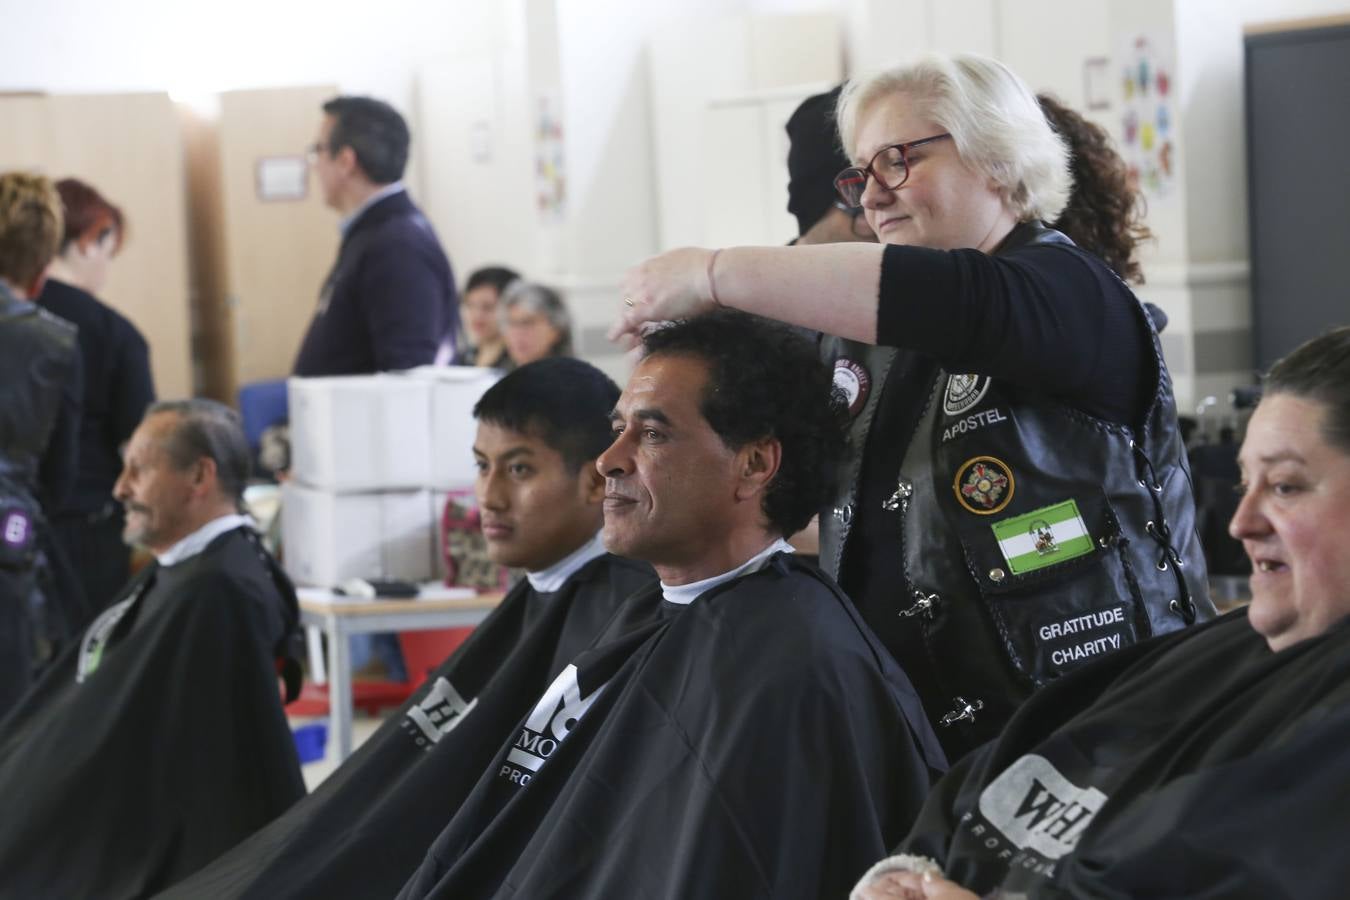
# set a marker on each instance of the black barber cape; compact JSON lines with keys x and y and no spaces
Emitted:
{"x":758,"y":742}
{"x":365,"y":829}
{"x":173,"y":747}
{"x":1198,"y":765}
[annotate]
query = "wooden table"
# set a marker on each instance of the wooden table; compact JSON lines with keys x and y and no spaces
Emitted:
{"x":341,"y":617}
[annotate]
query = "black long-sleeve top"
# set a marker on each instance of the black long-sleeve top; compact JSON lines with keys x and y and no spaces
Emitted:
{"x":118,"y":387}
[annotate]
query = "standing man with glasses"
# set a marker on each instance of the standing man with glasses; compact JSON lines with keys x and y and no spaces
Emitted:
{"x":389,"y":302}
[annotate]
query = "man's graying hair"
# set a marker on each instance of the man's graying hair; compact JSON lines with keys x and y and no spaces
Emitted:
{"x":207,"y":429}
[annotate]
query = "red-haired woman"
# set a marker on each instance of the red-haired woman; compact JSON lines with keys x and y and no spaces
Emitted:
{"x":117,"y":390}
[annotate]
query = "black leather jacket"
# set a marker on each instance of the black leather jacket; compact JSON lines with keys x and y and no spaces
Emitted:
{"x":38,"y":370}
{"x":1033,"y":535}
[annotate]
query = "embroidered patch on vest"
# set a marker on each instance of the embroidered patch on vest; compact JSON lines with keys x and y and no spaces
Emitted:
{"x":973,"y":422}
{"x":963,"y":392}
{"x":984,"y":485}
{"x":854,"y":381}
{"x":1043,"y":537}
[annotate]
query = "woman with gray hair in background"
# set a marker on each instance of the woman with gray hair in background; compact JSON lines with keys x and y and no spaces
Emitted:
{"x":1020,"y":503}
{"x":535,"y":322}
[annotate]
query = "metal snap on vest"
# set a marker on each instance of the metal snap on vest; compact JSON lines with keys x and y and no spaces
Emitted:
{"x":997,"y":574}
{"x":964,"y":710}
{"x":844,"y":513}
{"x":924,"y":604}
{"x":903,"y":491}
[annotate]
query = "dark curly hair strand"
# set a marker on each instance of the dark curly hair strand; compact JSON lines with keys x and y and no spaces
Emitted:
{"x":1105,"y":212}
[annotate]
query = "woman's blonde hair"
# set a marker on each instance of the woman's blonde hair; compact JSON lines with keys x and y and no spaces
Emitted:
{"x":30,"y":226}
{"x":993,"y":118}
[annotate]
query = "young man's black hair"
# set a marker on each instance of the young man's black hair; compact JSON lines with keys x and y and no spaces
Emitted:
{"x":764,"y":379}
{"x":375,"y":131}
{"x":562,"y":401}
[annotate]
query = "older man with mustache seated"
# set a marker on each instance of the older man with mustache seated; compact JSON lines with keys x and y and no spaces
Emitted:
{"x":157,"y":741}
{"x":1204,"y":764}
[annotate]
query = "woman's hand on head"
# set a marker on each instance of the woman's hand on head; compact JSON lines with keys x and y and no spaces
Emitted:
{"x":664,"y":288}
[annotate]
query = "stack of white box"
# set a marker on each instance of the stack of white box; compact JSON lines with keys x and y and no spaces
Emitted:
{"x":372,"y":459}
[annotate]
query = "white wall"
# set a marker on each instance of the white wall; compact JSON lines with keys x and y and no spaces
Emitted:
{"x":1209,"y":45}
{"x":597,"y":62}
{"x":194,"y":48}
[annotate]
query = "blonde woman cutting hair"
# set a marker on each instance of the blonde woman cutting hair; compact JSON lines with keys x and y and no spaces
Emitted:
{"x":1020,"y":503}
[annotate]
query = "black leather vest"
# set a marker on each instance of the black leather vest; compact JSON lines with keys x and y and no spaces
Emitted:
{"x":1034,"y":537}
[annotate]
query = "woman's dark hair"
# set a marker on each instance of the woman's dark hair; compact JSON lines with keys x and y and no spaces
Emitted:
{"x":495,"y":276}
{"x":1319,"y":370}
{"x":564,"y":402}
{"x":1105,"y":212}
{"x":88,"y":214}
{"x":766,"y":380}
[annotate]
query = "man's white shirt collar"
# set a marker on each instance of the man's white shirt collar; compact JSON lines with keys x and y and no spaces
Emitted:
{"x":196,"y":542}
{"x":555,"y":576}
{"x":389,"y":190}
{"x":685,"y":594}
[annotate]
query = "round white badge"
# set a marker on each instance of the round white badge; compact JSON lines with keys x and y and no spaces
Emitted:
{"x":963,"y":392}
{"x":853,"y":381}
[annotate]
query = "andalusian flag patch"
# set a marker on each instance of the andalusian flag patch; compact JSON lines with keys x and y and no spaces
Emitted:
{"x":1043,"y":537}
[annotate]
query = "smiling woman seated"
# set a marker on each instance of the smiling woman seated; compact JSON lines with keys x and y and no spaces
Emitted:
{"x":1207,"y":763}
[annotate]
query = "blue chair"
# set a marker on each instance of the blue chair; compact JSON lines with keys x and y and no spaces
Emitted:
{"x":261,"y":404}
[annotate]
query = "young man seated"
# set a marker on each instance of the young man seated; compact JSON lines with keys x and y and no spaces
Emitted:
{"x":747,"y":736}
{"x":365,"y":829}
{"x":157,"y":741}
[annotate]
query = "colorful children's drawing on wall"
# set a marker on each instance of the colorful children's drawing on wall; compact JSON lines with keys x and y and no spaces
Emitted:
{"x":550,"y":183}
{"x":1147,"y":125}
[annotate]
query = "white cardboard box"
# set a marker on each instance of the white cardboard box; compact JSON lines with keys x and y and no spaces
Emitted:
{"x":328,"y":537}
{"x":454,"y":391}
{"x":361,"y":432}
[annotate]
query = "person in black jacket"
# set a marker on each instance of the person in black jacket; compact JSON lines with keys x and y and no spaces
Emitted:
{"x":1018,"y":501}
{"x":1209,"y":763}
{"x":39,"y":425}
{"x":118,"y":388}
{"x":389,"y":302}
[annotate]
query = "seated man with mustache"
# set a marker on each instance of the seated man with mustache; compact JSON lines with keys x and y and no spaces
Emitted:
{"x":157,"y":740}
{"x":752,"y":739}
{"x":364,"y":830}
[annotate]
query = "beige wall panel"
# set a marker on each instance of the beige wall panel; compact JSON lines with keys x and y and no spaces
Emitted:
{"x":277,"y":252}
{"x":25,"y":141}
{"x":128,"y":146}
